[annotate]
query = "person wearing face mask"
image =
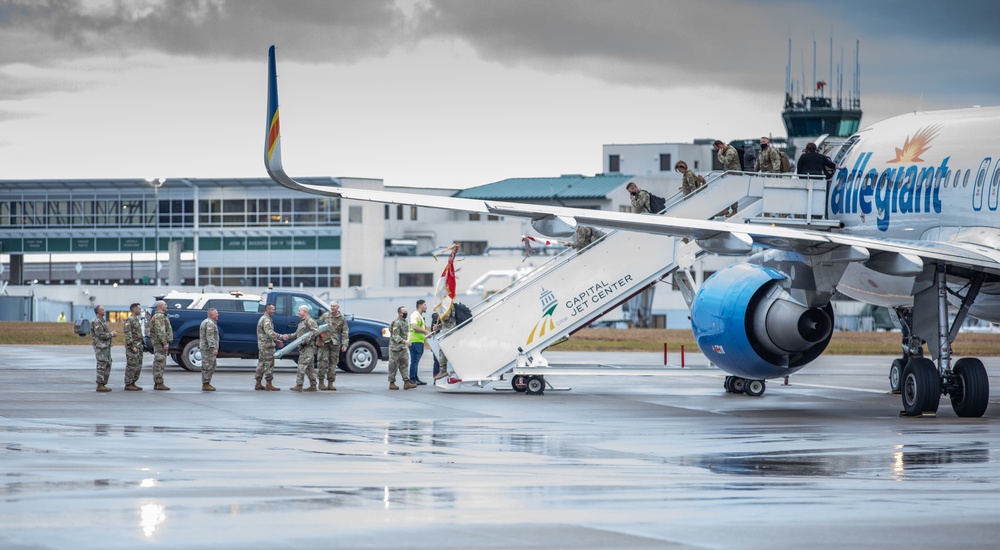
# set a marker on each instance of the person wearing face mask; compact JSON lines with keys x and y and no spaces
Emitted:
{"x":769,"y":159}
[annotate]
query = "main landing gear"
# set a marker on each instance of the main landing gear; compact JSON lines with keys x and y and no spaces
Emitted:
{"x":753,"y":388}
{"x":915,"y":377}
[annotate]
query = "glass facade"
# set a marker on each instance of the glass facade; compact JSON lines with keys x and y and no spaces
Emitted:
{"x":233,"y":233}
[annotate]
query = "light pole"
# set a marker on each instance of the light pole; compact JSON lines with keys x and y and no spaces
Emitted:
{"x":156,"y":183}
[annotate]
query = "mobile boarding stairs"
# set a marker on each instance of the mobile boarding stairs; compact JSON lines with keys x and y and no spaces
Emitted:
{"x":508,"y":332}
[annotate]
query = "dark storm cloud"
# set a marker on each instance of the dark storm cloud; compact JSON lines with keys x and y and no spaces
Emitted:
{"x":318,"y":31}
{"x":941,"y":49}
{"x":943,"y":52}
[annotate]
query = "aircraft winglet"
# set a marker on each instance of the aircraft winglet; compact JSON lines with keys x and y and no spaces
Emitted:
{"x":272,"y":134}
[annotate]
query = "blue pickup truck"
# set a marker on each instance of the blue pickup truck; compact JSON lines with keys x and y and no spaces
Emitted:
{"x":238,"y":316}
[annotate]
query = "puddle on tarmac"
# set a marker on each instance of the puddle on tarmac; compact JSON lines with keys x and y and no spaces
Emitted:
{"x":898,"y":462}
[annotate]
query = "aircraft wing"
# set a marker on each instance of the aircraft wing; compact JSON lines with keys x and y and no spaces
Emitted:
{"x":893,"y":256}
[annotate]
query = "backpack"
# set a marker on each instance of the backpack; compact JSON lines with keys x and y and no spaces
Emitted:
{"x":461,"y":312}
{"x":739,"y":153}
{"x":656,"y":203}
{"x":700,"y":179}
{"x":785,"y":165}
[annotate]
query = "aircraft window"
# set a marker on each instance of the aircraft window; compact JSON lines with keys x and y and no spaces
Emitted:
{"x":883,"y":179}
{"x":965,"y":182}
{"x":944,"y":179}
{"x":996,"y":177}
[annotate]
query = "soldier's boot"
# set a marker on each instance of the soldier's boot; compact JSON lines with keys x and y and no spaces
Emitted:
{"x":322,"y":385}
{"x":330,"y":386}
{"x":297,"y":387}
{"x":161,"y":386}
{"x":409,"y":385}
{"x":392,"y":386}
{"x":207,"y":387}
{"x":132,"y":387}
{"x":442,"y":374}
{"x":312,"y":386}
{"x":260,"y":387}
{"x":102,"y":388}
{"x":270,"y":387}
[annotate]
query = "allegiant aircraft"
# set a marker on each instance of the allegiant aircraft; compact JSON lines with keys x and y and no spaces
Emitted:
{"x":916,"y":198}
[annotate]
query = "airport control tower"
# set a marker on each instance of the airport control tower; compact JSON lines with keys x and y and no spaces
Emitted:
{"x":812,"y":110}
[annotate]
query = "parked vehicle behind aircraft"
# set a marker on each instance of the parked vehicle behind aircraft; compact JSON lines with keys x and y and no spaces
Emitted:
{"x":238,"y":316}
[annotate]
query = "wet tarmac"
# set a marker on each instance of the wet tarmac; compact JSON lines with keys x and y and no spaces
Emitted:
{"x":618,"y":462}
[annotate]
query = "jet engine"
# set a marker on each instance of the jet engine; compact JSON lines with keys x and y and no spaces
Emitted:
{"x":748,"y":325}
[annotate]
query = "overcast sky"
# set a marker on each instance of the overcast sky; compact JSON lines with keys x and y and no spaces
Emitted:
{"x":448,"y":93}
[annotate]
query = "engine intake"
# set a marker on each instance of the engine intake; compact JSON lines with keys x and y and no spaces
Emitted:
{"x":749,"y":326}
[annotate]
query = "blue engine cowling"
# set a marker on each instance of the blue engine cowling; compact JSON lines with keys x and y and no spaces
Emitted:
{"x":749,"y":326}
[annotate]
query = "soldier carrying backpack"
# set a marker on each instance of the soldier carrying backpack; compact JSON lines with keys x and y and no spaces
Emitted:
{"x":769,"y":159}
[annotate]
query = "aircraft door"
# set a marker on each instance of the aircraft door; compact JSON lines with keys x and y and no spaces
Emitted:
{"x":980,"y":186}
{"x":995,"y":188}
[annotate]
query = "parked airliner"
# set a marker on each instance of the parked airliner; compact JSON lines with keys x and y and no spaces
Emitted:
{"x":916,"y":197}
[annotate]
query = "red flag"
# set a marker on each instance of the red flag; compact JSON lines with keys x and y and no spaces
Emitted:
{"x":444,"y":292}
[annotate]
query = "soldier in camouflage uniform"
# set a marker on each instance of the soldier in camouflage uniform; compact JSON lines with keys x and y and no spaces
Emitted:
{"x":584,"y":236}
{"x":691,"y":180}
{"x":266,"y":340}
{"x":447,"y":322}
{"x":399,"y":353}
{"x":208,"y":334}
{"x":161,"y":335}
{"x":100,"y":337}
{"x":133,"y":348}
{"x":730,"y":161}
{"x":640,"y":198}
{"x":307,"y":350}
{"x":727,"y":155}
{"x":769,"y":159}
{"x":332,"y":343}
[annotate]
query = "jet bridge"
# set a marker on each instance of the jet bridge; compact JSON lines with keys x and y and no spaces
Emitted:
{"x":511,"y":329}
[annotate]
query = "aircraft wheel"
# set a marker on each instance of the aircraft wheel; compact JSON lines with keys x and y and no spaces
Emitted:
{"x":921,"y":387}
{"x":972,"y":388}
{"x":519,"y":383}
{"x":896,"y":375}
{"x":738,"y":384}
{"x":728,"y":384}
{"x":754,"y":388}
{"x":535,"y":385}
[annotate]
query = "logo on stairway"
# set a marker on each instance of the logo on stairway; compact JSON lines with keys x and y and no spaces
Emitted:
{"x":545,"y":324}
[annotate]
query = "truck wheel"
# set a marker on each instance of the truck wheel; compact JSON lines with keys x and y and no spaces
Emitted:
{"x":191,"y":356}
{"x":177,"y":358}
{"x":361,"y":357}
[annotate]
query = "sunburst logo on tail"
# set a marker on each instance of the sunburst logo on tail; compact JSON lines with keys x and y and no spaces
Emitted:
{"x":918,"y":145}
{"x":545,"y":324}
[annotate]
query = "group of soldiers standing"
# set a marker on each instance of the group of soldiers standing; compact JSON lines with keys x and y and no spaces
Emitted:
{"x":329,"y":343}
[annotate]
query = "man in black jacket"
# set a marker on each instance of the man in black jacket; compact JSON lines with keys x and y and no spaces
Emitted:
{"x":814,"y":163}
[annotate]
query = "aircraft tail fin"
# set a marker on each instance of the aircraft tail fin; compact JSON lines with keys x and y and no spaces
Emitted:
{"x":272,"y":134}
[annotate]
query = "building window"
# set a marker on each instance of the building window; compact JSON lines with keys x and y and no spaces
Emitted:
{"x":614,"y":163}
{"x":413,"y":213}
{"x":416,"y":279}
{"x":492,"y":218}
{"x":474,"y":216}
{"x":472,"y":248}
{"x":399,"y":211}
{"x":665,"y":162}
{"x":625,"y":208}
{"x":354,"y":214}
{"x":387,"y":215}
{"x":354,"y":279}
